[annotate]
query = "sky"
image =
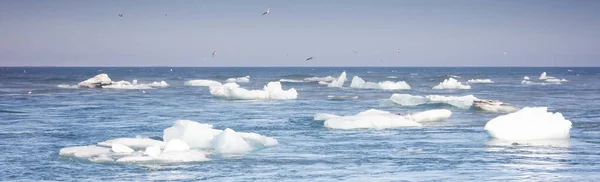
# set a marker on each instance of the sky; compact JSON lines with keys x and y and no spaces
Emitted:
{"x":427,"y":33}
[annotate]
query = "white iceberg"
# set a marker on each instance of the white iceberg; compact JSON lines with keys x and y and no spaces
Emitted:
{"x":480,"y":81}
{"x":530,"y":123}
{"x":203,"y":83}
{"x":339,"y":82}
{"x":409,"y":100}
{"x":358,"y":82}
{"x":373,"y":119}
{"x":272,"y":91}
{"x":451,"y":83}
{"x":97,"y":81}
{"x":526,"y":78}
{"x":244,"y":79}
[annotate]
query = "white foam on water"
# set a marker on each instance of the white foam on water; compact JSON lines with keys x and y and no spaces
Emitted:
{"x":271,"y":91}
{"x":320,"y":79}
{"x":409,"y":100}
{"x":358,"y":82}
{"x":203,"y":83}
{"x":129,"y":85}
{"x":244,"y":79}
{"x":480,"y":81}
{"x":324,"y":116}
{"x":370,"y":119}
{"x":67,"y":86}
{"x":451,"y":83}
{"x":529,"y":123}
{"x":526,"y":78}
{"x":291,"y":81}
{"x":339,"y":82}
{"x":323,"y":83}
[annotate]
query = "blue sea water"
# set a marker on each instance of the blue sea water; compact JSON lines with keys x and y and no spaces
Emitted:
{"x":34,"y":127}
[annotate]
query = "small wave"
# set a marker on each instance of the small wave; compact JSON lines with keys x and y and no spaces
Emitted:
{"x":480,"y":81}
{"x":67,"y":86}
{"x":244,"y":79}
{"x":9,"y":111}
{"x":204,"y":83}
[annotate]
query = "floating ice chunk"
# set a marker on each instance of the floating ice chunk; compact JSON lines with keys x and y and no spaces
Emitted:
{"x":290,"y":81}
{"x":358,"y":82}
{"x":530,"y":123}
{"x":372,"y":118}
{"x":526,"y":78}
{"x":67,"y":86}
{"x":494,"y":106}
{"x":176,"y":145}
{"x":153,"y":151}
{"x":204,"y":83}
{"x":320,"y":79}
{"x":451,"y":83}
{"x":97,"y":81}
{"x":84,"y":151}
{"x":195,"y":134}
{"x":158,"y":84}
{"x":245,"y":79}
{"x":409,"y":100}
{"x":324,"y":116}
{"x":339,"y":82}
{"x":120,"y":148}
{"x":480,"y":81}
{"x":258,"y":141}
{"x":429,"y":115}
{"x":136,"y":143}
{"x":272,"y":90}
{"x":229,"y":141}
{"x":543,"y":76}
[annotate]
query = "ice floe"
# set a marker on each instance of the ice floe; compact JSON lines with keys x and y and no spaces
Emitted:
{"x":451,"y":83}
{"x":464,"y":102}
{"x":529,"y":123}
{"x":480,"y":81}
{"x":377,"y":119}
{"x":494,"y":106}
{"x":544,"y":79}
{"x":272,"y":91}
{"x":339,"y":82}
{"x":244,"y":79}
{"x":203,"y":83}
{"x":97,"y":81}
{"x":358,"y":82}
{"x":185,"y":141}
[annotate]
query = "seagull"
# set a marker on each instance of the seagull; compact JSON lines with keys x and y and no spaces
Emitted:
{"x":309,"y":58}
{"x":214,"y":53}
{"x":381,"y":61}
{"x":355,"y":52}
{"x":165,"y":14}
{"x":268,"y":10}
{"x":398,"y":51}
{"x":121,"y":15}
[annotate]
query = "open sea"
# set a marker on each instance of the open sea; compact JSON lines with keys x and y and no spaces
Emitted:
{"x":35,"y":127}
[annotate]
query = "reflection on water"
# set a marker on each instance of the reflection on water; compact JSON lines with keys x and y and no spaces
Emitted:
{"x":532,"y":160}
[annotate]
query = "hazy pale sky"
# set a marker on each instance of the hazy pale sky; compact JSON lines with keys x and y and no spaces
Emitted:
{"x":427,"y":32}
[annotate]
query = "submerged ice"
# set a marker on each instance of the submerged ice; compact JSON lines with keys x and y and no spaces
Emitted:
{"x":272,"y":91}
{"x":185,"y":141}
{"x":529,"y":123}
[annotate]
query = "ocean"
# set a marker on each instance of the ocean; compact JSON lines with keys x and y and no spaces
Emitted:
{"x":35,"y":126}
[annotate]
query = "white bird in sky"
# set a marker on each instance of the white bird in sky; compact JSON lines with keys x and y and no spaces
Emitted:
{"x":268,"y":10}
{"x":214,"y":53}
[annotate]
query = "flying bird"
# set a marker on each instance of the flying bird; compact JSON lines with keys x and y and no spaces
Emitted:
{"x":165,"y":14}
{"x":121,"y":15}
{"x":214,"y":53}
{"x":381,"y":61}
{"x":310,"y":58}
{"x":505,"y":53}
{"x":268,"y":10}
{"x":398,"y":51}
{"x":355,"y":52}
